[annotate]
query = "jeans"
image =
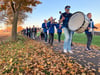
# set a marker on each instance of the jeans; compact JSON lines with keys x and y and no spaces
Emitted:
{"x":46,"y":36}
{"x":28,"y":34}
{"x":51,"y":38}
{"x":59,"y":36}
{"x":72,"y":39}
{"x":68,"y":39}
{"x":89,"y":40}
{"x":33,"y":35}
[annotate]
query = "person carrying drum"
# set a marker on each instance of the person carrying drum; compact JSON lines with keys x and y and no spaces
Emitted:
{"x":45,"y":28}
{"x":68,"y":34}
{"x":89,"y":31}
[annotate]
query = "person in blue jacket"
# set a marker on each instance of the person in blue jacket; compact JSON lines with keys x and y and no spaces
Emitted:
{"x":89,"y":31}
{"x":51,"y":28}
{"x":59,"y":32}
{"x":45,"y":28}
{"x":67,"y":32}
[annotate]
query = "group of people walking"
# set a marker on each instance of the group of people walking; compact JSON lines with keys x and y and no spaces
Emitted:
{"x":63,"y":24}
{"x":33,"y":32}
{"x":48,"y":30}
{"x":49,"y":27}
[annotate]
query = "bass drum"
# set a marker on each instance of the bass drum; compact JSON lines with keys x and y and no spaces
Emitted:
{"x":78,"y":22}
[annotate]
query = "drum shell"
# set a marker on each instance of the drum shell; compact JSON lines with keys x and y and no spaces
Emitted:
{"x":84,"y":26}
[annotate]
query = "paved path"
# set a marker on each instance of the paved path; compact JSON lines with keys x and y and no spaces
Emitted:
{"x":90,"y":59}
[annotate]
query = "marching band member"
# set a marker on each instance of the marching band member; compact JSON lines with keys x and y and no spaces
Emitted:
{"x":51,"y":28}
{"x":45,"y":28}
{"x":89,"y":31}
{"x":59,"y":31}
{"x":68,"y":34}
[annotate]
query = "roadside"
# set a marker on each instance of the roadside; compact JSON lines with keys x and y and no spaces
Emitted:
{"x":88,"y":59}
{"x":32,"y":57}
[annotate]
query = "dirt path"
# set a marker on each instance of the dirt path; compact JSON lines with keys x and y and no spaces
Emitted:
{"x":89,"y":59}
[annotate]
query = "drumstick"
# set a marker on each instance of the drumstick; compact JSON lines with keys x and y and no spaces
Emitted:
{"x":60,"y":12}
{"x":61,"y":15}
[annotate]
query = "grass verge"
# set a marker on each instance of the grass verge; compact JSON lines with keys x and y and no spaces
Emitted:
{"x":82,"y":39}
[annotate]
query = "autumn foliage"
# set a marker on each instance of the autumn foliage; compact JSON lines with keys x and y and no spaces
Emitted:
{"x":27,"y":57}
{"x":98,"y":26}
{"x":14,"y":12}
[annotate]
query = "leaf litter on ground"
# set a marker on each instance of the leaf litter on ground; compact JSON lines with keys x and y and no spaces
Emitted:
{"x":28,"y":57}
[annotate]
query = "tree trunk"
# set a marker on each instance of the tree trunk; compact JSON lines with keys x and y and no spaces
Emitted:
{"x":14,"y":27}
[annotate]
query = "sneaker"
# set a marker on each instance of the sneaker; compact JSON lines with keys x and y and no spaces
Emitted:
{"x":72,"y":44}
{"x":65,"y":51}
{"x":70,"y":52}
{"x":46,"y":42}
{"x":87,"y":49}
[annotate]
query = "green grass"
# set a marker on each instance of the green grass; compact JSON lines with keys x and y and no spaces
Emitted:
{"x":81,"y":38}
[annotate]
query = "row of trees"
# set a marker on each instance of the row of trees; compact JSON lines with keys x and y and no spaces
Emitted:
{"x":14,"y":12}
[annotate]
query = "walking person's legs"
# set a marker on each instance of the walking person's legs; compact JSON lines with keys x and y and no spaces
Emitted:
{"x":49,"y":37}
{"x":72,"y":39}
{"x":30,"y":35}
{"x":69,"y":42}
{"x":91,"y":36}
{"x":27,"y":34}
{"x":45,"y":36}
{"x":59,"y":37}
{"x":33,"y":36}
{"x":52,"y":38}
{"x":40,"y":37}
{"x":89,"y":41}
{"x":66,"y":34}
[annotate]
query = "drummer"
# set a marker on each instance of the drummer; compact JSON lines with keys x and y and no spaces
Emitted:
{"x":89,"y":31}
{"x":68,"y":34}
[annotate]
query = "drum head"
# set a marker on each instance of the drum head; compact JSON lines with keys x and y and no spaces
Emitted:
{"x":76,"y":21}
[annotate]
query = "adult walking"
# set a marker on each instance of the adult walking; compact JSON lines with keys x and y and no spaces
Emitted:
{"x":68,"y":33}
{"x":45,"y":28}
{"x":59,"y":32}
{"x":51,"y":25}
{"x":89,"y":31}
{"x":33,"y":32}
